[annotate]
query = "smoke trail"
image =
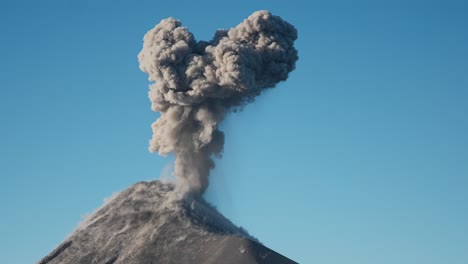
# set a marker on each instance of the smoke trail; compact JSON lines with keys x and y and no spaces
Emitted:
{"x":197,"y":82}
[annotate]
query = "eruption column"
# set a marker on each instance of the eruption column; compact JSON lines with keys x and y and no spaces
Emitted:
{"x":195,"y":83}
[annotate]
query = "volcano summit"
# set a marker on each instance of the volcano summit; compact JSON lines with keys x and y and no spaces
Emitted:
{"x":145,"y":225}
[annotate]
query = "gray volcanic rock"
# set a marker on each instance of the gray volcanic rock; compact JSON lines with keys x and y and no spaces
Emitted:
{"x":145,"y":225}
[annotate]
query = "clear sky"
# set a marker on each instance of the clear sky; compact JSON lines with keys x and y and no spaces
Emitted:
{"x":360,"y":157}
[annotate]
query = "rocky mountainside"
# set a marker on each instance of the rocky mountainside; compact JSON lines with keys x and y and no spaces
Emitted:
{"x":145,"y":225}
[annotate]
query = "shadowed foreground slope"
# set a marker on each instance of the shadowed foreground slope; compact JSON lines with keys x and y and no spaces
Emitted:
{"x":142,"y":225}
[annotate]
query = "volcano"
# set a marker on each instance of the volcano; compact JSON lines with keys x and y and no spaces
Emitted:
{"x":144,"y":224}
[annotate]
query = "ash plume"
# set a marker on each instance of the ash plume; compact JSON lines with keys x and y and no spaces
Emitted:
{"x":197,"y":82}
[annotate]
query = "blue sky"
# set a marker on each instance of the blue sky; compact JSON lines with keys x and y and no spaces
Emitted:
{"x":360,"y":157}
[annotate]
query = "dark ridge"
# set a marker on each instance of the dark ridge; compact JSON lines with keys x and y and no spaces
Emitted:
{"x":112,"y":260}
{"x":200,"y":220}
{"x":56,"y":252}
{"x":265,"y":255}
{"x":201,"y":213}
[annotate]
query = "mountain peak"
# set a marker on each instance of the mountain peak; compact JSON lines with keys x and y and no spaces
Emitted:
{"x":146,"y":224}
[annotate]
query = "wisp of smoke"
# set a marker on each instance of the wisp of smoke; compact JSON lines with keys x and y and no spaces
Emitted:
{"x":195,"y":83}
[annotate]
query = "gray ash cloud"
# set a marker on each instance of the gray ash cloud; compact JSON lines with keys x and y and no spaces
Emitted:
{"x":196,"y":83}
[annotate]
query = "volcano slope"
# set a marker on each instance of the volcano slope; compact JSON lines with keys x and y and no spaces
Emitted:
{"x":145,"y":225}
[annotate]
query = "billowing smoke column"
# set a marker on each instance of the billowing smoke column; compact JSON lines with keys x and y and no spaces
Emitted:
{"x":197,"y":82}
